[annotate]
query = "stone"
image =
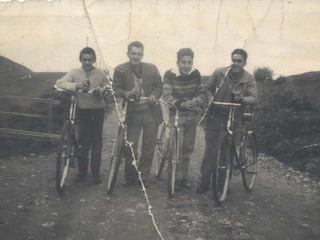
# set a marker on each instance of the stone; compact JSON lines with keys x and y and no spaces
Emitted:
{"x":239,"y":225}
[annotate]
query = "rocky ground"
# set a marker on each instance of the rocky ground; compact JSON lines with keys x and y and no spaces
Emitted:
{"x":284,"y":204}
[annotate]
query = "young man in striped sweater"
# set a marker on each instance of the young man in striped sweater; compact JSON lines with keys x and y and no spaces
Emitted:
{"x":183,"y":89}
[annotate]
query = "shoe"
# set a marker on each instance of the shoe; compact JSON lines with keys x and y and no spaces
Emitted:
{"x":202,"y":189}
{"x":80,"y":178}
{"x":185,"y":183}
{"x":96,"y":179}
{"x":177,"y":185}
{"x":145,"y":183}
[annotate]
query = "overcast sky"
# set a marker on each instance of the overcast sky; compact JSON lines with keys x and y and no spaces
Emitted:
{"x":48,"y":35}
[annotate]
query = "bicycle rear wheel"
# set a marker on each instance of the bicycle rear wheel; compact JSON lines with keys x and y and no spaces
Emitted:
{"x":221,"y":169}
{"x":116,"y":159}
{"x":162,"y":149}
{"x":65,"y":154}
{"x":172,"y":160}
{"x":249,"y":163}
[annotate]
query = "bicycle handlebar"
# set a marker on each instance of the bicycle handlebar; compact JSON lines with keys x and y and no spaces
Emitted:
{"x":104,"y":90}
{"x":227,"y":104}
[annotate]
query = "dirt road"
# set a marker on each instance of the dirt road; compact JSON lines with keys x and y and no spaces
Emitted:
{"x":284,"y":205}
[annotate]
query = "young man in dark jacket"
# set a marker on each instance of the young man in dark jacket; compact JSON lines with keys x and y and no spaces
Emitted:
{"x":139,"y":84}
{"x":228,"y":84}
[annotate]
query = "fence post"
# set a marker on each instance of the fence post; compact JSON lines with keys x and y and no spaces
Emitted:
{"x":50,"y":116}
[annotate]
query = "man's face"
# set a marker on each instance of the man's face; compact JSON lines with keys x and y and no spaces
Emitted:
{"x":87,"y":61}
{"x":185,"y":64}
{"x":238,"y":63}
{"x":135,"y":55}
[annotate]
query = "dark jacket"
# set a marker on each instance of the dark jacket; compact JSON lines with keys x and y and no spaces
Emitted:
{"x":246,"y":85}
{"x":123,"y":82}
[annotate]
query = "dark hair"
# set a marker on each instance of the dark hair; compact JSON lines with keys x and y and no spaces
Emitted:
{"x":135,"y":44}
{"x":184,"y":52}
{"x":88,"y":50}
{"x":242,"y":52}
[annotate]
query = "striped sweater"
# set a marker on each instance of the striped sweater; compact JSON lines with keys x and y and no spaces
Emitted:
{"x":179,"y":88}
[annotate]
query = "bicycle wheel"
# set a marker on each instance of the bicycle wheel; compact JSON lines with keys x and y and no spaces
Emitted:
{"x":249,"y":163}
{"x":221,"y":169}
{"x":116,"y":159}
{"x":64,"y":156}
{"x":172,"y":160}
{"x":161,"y":149}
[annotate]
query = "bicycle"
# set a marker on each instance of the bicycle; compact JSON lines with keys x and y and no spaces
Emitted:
{"x":167,"y":150}
{"x":118,"y":151}
{"x":121,"y":149}
{"x":231,"y":157}
{"x":66,"y":153}
{"x":161,"y":151}
{"x":68,"y":143}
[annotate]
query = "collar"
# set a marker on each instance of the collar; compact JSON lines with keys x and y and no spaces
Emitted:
{"x":177,"y":72}
{"x":242,"y":77}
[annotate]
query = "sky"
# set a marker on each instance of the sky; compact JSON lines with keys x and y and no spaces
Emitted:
{"x":48,"y":35}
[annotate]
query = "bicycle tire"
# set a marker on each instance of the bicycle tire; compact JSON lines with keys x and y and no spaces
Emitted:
{"x":64,"y":154}
{"x":116,"y":159}
{"x":249,"y":163}
{"x":221,"y":169}
{"x":172,"y":161}
{"x":161,"y":150}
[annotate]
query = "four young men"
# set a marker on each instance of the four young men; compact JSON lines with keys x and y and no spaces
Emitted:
{"x":140,"y":85}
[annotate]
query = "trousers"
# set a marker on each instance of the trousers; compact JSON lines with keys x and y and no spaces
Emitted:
{"x":90,"y":136}
{"x":187,"y":133}
{"x":214,"y":126}
{"x":137,"y":122}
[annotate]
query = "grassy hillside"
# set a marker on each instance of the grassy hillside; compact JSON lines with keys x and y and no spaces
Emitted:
{"x":18,"y":80}
{"x":288,"y":120}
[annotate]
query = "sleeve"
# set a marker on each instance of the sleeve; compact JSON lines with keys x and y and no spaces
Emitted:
{"x":200,"y":96}
{"x":251,"y":95}
{"x":67,"y":82}
{"x":167,"y":91}
{"x":158,"y":85}
{"x":119,"y":78}
{"x":210,"y":86}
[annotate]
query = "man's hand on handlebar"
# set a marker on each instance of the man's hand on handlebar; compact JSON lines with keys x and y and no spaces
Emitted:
{"x":152,"y":100}
{"x":98,"y":92}
{"x":191,"y":105}
{"x":133,"y":95}
{"x":238,"y":98}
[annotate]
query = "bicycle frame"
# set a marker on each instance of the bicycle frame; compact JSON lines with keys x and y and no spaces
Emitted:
{"x":230,"y":129}
{"x":175,"y":125}
{"x":233,"y":157}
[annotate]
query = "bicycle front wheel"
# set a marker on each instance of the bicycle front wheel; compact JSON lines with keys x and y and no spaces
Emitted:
{"x":116,"y":159}
{"x":65,"y":153}
{"x":249,"y":161}
{"x":162,"y":149}
{"x":221,"y":169}
{"x":172,"y":160}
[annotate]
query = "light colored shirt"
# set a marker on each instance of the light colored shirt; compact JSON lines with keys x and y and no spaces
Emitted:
{"x":96,"y":77}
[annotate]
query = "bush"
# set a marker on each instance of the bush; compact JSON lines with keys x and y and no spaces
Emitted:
{"x":263,"y":74}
